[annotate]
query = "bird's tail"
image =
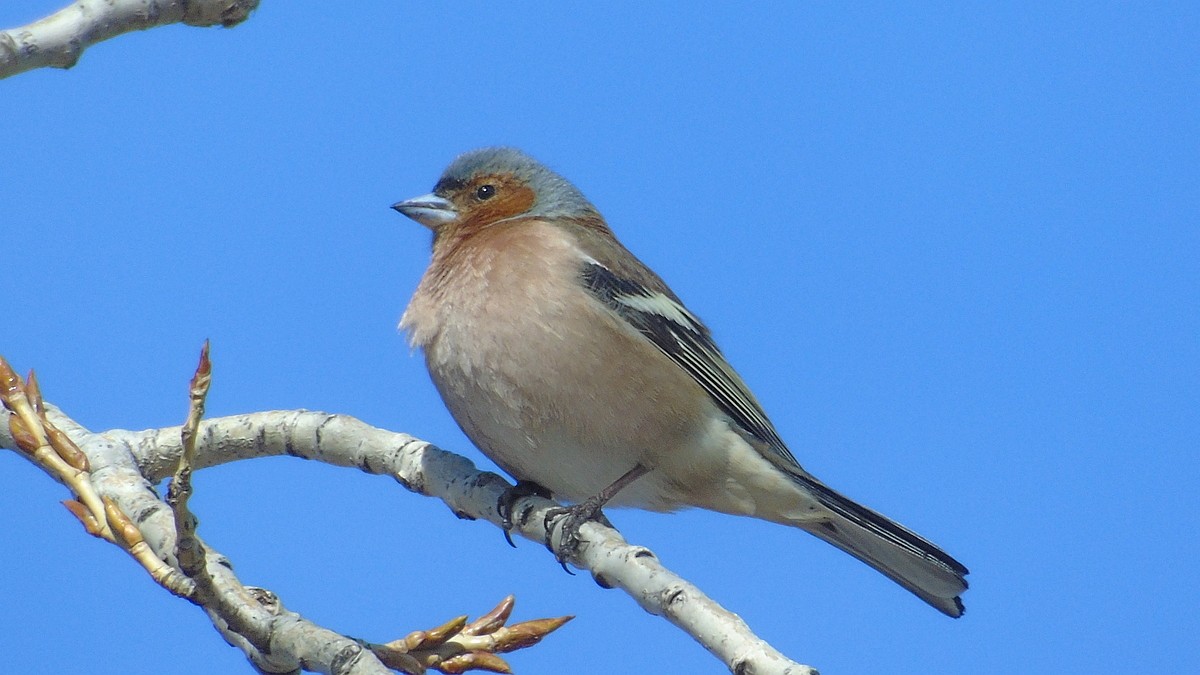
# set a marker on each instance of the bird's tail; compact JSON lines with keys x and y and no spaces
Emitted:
{"x":904,"y":556}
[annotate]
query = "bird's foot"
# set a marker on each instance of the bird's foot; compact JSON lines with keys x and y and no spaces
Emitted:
{"x":504,"y":505}
{"x":572,"y":518}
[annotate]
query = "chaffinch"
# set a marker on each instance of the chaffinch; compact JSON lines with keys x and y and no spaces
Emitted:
{"x":575,"y":368}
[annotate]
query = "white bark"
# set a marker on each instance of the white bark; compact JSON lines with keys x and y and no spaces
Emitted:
{"x":126,"y":463}
{"x":59,"y":39}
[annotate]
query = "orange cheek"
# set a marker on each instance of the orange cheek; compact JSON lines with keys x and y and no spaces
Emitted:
{"x":510,"y":202}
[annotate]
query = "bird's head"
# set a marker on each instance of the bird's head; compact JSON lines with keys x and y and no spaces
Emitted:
{"x":493,"y":185}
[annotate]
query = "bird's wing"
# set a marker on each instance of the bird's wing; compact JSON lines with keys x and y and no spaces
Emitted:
{"x":645,"y":303}
{"x":681,"y":337}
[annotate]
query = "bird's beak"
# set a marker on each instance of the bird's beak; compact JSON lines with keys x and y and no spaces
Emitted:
{"x":429,"y":210}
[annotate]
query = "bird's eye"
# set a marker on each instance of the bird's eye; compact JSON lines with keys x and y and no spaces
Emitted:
{"x":485,"y":192}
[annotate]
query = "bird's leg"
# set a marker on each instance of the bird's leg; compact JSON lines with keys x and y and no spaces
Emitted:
{"x":504,"y":505}
{"x":575,"y":516}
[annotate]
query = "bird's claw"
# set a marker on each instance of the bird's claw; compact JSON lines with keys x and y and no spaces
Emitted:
{"x":508,"y":500}
{"x":572,"y":518}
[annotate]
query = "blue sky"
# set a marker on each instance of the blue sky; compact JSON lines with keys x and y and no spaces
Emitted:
{"x":953,"y":248}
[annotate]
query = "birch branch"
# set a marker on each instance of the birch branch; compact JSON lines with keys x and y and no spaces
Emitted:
{"x":252,"y":619}
{"x":60,"y":39}
{"x":422,"y":468}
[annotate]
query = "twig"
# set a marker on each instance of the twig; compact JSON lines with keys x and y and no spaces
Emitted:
{"x":60,"y":39}
{"x":60,"y":457}
{"x":187,"y":548}
{"x":253,"y":619}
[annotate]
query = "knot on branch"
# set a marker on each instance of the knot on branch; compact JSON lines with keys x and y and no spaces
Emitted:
{"x":227,"y":13}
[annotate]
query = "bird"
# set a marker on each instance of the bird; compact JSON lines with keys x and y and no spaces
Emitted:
{"x":577,"y":370}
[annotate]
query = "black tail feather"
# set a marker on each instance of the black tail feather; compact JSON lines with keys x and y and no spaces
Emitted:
{"x":903,"y":555}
